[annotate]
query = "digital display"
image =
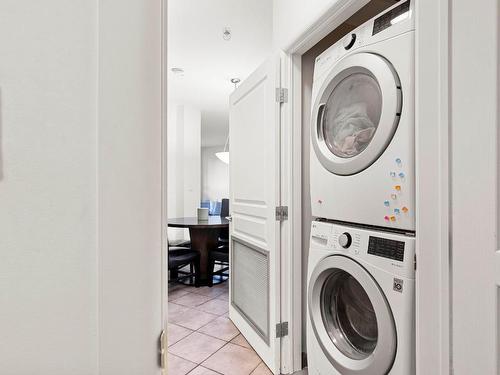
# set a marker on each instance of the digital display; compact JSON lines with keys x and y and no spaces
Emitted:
{"x":386,"y":248}
{"x":391,"y":17}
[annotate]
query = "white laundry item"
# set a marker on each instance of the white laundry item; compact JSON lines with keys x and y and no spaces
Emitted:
{"x":353,"y":130}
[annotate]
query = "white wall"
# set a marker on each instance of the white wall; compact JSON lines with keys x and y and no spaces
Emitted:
{"x":214,"y":175}
{"x":80,"y":191}
{"x":48,"y":251}
{"x":130,"y":194}
{"x":189,"y":121}
{"x":475,"y":173}
{"x":184,"y":163}
{"x":293,"y":17}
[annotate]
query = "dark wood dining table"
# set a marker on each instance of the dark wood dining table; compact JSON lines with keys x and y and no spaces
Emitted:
{"x":204,"y":237}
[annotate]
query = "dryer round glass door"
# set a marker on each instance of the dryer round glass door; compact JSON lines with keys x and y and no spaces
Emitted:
{"x":356,"y":113}
{"x":351,"y":318}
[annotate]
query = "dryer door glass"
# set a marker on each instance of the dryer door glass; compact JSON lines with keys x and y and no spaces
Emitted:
{"x":352,"y":114}
{"x":356,"y":110}
{"x":348,"y":315}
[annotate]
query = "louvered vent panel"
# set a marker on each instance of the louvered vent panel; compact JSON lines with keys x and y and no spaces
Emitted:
{"x":250,"y":285}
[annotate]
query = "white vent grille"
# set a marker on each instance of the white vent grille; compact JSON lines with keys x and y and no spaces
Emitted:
{"x":250,"y":285}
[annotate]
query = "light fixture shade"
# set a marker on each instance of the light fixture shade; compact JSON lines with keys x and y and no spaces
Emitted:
{"x":223,"y":156}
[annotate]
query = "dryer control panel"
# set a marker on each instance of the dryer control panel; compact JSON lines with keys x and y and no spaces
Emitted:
{"x":394,"y":21}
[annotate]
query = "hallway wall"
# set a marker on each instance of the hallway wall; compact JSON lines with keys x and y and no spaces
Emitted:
{"x":183,"y":164}
{"x":214,"y":175}
{"x":48,"y":219}
{"x":80,"y":187}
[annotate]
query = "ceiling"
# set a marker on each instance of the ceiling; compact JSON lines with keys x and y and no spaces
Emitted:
{"x":196,"y":44}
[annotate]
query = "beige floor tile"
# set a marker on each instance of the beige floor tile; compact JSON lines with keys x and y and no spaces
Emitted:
{"x":262,"y":370}
{"x":192,"y":300}
{"x":176,"y":333}
{"x":208,"y":291}
{"x":177,"y":293}
{"x":176,"y":286}
{"x":196,"y":347}
{"x":190,"y":318}
{"x":179,"y":366}
{"x":224,"y":296}
{"x":175,"y":310}
{"x":215,"y":306}
{"x":241,"y":341}
{"x":200,"y":370}
{"x":233,"y":360}
{"x":222,"y":328}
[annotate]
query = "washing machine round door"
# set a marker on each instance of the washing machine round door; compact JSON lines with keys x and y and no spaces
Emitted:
{"x":351,"y":318}
{"x":356,"y":113}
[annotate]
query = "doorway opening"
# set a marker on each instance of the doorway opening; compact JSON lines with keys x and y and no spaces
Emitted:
{"x":212,"y":47}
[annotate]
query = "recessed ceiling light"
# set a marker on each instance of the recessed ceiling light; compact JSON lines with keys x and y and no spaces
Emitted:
{"x":178,"y":71}
{"x":235,"y":81}
{"x":226,"y":33}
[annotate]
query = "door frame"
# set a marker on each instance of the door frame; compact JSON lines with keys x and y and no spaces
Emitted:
{"x":163,"y":339}
{"x":432,"y":183}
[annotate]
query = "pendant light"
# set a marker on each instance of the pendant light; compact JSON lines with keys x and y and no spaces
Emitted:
{"x":224,"y":155}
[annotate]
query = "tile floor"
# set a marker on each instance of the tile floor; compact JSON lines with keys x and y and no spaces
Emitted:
{"x":201,"y":338}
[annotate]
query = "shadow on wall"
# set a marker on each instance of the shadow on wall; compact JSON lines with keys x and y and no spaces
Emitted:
{"x":1,"y":139}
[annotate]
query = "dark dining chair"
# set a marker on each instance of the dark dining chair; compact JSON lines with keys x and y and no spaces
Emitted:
{"x":224,"y":235}
{"x":219,"y":257}
{"x":180,"y":257}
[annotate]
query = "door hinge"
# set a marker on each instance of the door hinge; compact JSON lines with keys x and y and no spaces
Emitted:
{"x":281,"y":213}
{"x":281,"y":95}
{"x":161,"y":350}
{"x":415,"y":261}
{"x":281,"y":330}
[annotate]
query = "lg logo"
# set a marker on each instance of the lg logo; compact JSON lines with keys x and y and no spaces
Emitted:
{"x":398,"y":285}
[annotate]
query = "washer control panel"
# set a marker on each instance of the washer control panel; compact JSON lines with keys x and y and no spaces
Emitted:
{"x":379,"y":248}
{"x":387,"y":248}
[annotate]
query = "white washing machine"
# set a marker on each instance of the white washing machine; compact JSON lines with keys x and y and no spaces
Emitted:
{"x":361,"y":292}
{"x":362,"y":126}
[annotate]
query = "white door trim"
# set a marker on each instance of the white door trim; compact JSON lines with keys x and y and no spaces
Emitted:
{"x":432,"y":42}
{"x":432,"y":68}
{"x":291,"y":261}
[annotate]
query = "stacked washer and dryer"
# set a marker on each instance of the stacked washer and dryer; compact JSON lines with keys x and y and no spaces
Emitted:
{"x":361,"y":271}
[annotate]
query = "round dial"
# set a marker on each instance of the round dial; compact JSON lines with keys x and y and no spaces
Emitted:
{"x":345,"y":240}
{"x":348,"y":41}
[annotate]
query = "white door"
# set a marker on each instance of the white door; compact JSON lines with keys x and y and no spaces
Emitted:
{"x":254,"y":130}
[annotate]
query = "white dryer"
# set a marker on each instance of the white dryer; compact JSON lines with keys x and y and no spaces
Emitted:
{"x":362,"y":126}
{"x":361,"y":291}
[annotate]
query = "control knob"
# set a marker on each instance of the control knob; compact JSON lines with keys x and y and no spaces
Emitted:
{"x":345,"y":240}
